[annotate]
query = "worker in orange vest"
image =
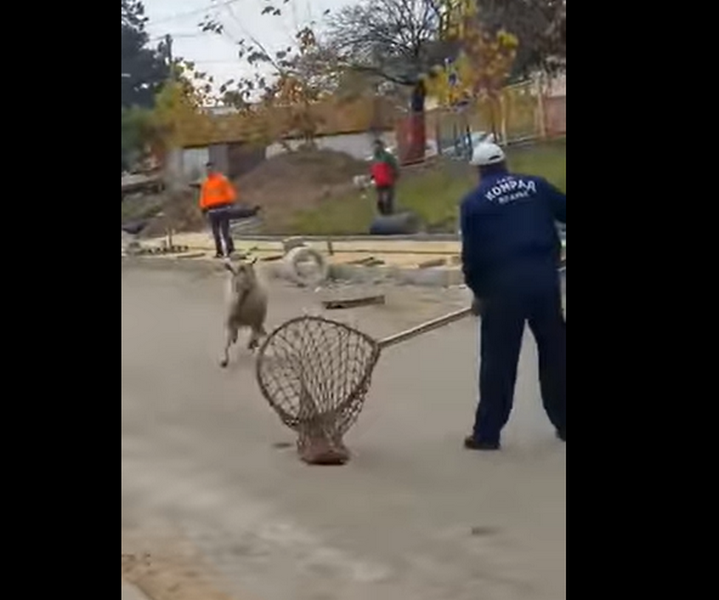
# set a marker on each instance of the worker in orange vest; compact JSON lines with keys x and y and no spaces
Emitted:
{"x":216,"y":198}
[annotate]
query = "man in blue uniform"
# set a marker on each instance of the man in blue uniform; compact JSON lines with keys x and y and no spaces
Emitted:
{"x":510,"y":255}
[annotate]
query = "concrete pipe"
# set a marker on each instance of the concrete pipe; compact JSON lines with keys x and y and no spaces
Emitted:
{"x":305,"y":266}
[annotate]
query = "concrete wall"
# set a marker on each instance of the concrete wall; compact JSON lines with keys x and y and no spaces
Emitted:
{"x":193,"y":162}
{"x":188,"y":164}
{"x":185,"y":165}
{"x":217,"y":153}
{"x":358,"y":145}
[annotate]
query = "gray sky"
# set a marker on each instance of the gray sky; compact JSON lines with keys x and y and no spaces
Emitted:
{"x":217,"y":54}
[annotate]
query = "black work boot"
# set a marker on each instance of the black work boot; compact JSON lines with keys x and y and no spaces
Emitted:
{"x":471,"y":443}
{"x":562,"y":434}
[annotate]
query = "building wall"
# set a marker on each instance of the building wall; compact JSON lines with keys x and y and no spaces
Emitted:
{"x":223,"y":124}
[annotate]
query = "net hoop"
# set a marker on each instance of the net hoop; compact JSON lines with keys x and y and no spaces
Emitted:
{"x":335,"y":419}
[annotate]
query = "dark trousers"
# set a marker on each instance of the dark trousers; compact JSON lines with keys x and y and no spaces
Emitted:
{"x":220,"y":223}
{"x":385,"y":200}
{"x":502,"y":327}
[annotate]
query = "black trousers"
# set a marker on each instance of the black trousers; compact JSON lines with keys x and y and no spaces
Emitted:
{"x":220,"y":224}
{"x":385,"y":200}
{"x":502,"y":328}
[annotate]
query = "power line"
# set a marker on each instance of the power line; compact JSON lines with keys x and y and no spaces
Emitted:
{"x":190,"y":13}
{"x":212,"y":61}
{"x":177,"y":36}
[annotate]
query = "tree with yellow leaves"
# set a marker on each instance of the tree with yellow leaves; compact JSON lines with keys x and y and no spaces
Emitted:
{"x":303,"y":79}
{"x":482,"y":65}
{"x":178,"y":113}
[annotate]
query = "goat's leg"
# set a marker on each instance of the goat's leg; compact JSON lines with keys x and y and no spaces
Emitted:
{"x":255,"y":335}
{"x":231,"y":338}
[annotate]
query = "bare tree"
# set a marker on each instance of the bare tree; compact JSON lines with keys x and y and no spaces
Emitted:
{"x":292,"y":79}
{"x":402,"y":40}
{"x":397,"y":40}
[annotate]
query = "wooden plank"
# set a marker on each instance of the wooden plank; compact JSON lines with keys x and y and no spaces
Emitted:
{"x":353,"y":302}
{"x":369,"y":261}
{"x":437,"y":262}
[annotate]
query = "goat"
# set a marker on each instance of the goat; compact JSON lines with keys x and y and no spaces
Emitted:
{"x":362,"y":182}
{"x":246,"y":306}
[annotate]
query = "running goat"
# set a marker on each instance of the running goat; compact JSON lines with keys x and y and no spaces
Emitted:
{"x":246,"y":306}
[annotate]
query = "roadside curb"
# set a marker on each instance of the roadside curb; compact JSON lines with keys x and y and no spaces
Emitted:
{"x":429,"y":277}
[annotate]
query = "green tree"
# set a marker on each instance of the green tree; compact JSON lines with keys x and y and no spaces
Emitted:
{"x":144,"y":72}
{"x":144,"y":69}
{"x":140,"y":133}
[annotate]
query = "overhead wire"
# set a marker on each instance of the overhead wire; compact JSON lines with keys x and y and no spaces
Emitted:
{"x":190,"y":13}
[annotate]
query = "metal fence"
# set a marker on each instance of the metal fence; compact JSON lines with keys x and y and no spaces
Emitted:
{"x":524,"y":112}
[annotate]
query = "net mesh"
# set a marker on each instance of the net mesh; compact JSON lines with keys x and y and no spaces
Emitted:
{"x":315,"y":374}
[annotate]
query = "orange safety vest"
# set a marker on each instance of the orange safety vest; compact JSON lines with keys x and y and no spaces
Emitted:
{"x":216,"y":191}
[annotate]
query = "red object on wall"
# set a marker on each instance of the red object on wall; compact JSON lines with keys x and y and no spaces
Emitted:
{"x":411,"y":139}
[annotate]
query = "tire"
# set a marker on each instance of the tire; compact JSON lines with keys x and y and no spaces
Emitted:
{"x":135,"y":227}
{"x":294,"y":271}
{"x":400,"y":224}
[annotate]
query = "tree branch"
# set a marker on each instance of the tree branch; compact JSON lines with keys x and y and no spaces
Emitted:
{"x":381,"y":73}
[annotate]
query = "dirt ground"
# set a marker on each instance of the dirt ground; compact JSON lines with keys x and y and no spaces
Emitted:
{"x":281,"y":186}
{"x":287,"y":183}
{"x":216,"y":506}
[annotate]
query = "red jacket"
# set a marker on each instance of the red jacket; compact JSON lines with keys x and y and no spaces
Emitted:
{"x":384,"y":170}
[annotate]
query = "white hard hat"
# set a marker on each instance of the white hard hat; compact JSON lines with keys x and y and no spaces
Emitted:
{"x":486,"y":153}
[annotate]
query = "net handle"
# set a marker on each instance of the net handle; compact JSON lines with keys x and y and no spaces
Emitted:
{"x":408,"y":334}
{"x":457,"y":315}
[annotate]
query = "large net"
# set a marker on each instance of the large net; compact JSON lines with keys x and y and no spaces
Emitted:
{"x":315,"y":373}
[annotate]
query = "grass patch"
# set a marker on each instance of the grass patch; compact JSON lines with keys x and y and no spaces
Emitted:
{"x":548,"y":160}
{"x":434,"y":194}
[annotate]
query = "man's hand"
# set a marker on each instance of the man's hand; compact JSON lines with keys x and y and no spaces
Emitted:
{"x":477,"y":307}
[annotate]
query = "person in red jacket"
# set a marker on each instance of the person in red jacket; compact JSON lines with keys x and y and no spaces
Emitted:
{"x":384,"y":171}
